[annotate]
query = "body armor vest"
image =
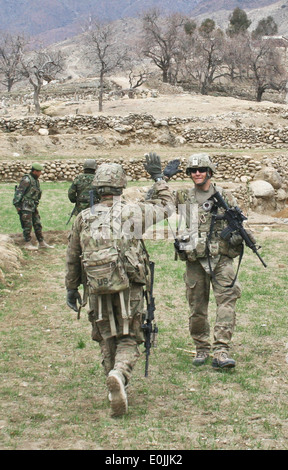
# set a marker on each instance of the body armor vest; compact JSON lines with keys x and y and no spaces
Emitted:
{"x":202,"y":232}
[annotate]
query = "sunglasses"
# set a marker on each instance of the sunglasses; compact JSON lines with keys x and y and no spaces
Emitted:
{"x":200,"y":169}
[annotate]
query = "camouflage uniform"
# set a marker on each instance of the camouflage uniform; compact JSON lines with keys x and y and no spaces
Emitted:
{"x":118,"y":341}
{"x":209,"y":260}
{"x":198,"y":275}
{"x":26,"y":199}
{"x":79,"y":191}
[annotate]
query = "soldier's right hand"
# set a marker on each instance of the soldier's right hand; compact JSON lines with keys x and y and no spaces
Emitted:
{"x":72,"y":297}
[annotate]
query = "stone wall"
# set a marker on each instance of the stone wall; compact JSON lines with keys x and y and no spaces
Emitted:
{"x":238,"y":169}
{"x":176,"y":132}
{"x":229,"y":168}
{"x":134,"y":127}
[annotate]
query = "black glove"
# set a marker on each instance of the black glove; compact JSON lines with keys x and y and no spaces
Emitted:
{"x":171,"y":168}
{"x":153,"y":166}
{"x":72,"y":297}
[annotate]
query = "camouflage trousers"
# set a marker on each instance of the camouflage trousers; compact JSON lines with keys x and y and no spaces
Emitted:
{"x":119,"y":351}
{"x":28,"y":221}
{"x":198,"y":291}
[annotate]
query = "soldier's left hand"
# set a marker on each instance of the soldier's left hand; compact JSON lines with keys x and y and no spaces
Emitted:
{"x":172,"y":168}
{"x":72,"y":297}
{"x":251,"y":236}
{"x":153,"y":165}
{"x":236,"y":239}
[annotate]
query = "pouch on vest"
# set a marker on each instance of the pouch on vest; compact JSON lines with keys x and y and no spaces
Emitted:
{"x":214,"y":248}
{"x":185,"y":246}
{"x":201,"y":248}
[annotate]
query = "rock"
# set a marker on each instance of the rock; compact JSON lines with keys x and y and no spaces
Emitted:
{"x":262,"y":189}
{"x":281,"y":195}
{"x":43,"y":131}
{"x":270,"y":175}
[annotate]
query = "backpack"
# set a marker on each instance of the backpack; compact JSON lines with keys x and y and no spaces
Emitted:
{"x":110,"y":261}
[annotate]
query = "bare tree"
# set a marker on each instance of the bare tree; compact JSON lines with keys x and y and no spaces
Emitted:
{"x":136,"y":77}
{"x":235,"y":57}
{"x":103,"y":51}
{"x":38,"y":67}
{"x":161,"y":41}
{"x":204,"y":58}
{"x":265,"y":66}
{"x":11,"y":50}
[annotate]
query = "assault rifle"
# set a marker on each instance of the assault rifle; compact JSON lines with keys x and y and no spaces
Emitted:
{"x":150,"y":333}
{"x":71,"y":215}
{"x":234,"y":218}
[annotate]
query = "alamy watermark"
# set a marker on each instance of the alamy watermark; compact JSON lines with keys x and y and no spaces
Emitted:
{"x":146,"y":220}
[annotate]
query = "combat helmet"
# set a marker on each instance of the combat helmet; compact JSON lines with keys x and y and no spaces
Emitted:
{"x":110,"y":178}
{"x":90,"y":164}
{"x":198,"y":160}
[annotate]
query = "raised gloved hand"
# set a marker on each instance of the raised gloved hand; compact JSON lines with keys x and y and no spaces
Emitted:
{"x":153,"y":165}
{"x":72,"y":297}
{"x":172,"y":168}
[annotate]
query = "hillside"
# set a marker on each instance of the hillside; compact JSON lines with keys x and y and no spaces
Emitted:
{"x":278,"y":10}
{"x":56,"y":20}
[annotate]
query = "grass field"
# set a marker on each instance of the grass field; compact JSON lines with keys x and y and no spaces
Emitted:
{"x":53,"y":393}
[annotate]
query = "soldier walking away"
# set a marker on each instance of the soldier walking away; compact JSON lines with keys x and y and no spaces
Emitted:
{"x":26,"y":200}
{"x":113,"y":265}
{"x":81,"y":192}
{"x":209,"y":261}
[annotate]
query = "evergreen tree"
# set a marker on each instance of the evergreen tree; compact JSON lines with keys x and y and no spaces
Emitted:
{"x":238,"y":22}
{"x":265,"y":27}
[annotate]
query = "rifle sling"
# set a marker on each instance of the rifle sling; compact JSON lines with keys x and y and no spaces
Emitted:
{"x":214,"y":214}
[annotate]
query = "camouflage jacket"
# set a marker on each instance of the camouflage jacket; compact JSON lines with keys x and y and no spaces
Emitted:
{"x":196,"y":219}
{"x":27,"y":193}
{"x":79,"y":192}
{"x":135,"y":220}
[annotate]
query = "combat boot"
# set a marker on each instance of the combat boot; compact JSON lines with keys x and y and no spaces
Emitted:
{"x":201,"y":358}
{"x":30,"y":246}
{"x":117,"y":393}
{"x":221,"y":360}
{"x":43,"y":244}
